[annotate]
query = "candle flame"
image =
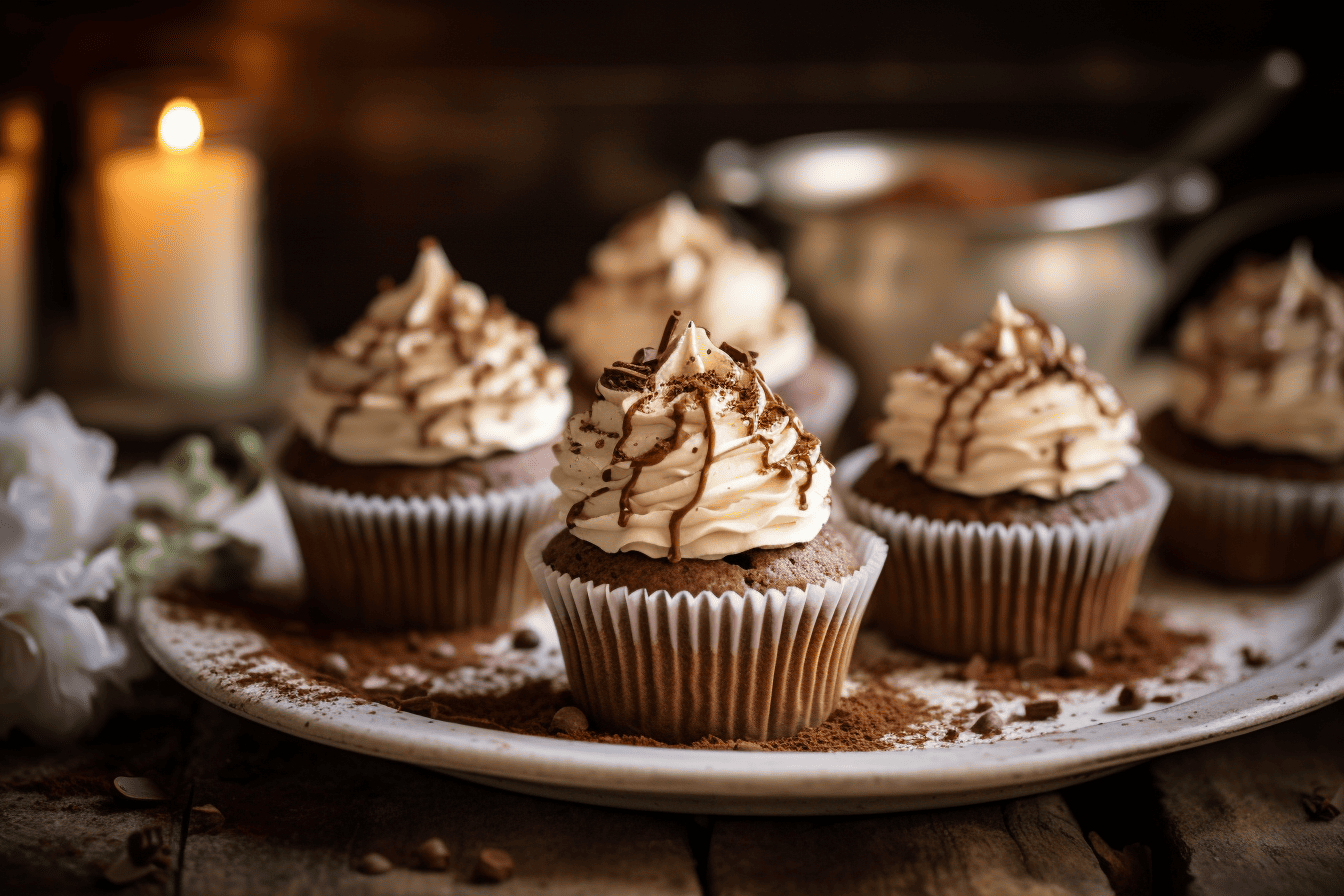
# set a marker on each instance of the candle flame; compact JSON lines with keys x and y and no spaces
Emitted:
{"x":180,"y":125}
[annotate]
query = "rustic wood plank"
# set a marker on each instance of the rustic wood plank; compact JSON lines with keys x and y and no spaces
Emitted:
{"x":60,"y":821}
{"x":298,"y":816}
{"x":1235,"y":815}
{"x":1025,"y":846}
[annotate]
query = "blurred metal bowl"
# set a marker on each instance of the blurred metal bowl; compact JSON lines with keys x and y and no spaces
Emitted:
{"x":885,"y":279}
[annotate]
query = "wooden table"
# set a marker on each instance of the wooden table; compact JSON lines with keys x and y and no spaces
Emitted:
{"x":1225,"y":818}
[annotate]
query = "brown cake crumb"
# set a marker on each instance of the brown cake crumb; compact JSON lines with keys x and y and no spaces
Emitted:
{"x":895,"y":486}
{"x":824,"y":558}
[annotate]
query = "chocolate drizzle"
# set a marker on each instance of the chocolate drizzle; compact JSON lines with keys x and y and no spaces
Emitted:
{"x":1274,"y":294}
{"x":384,"y":331}
{"x":984,"y":357}
{"x":744,"y":393}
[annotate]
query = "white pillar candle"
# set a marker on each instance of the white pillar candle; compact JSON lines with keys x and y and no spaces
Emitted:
{"x":16,"y":227}
{"x":180,"y":224}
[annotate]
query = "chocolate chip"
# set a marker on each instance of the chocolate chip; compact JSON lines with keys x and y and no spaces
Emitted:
{"x":1254,"y":658}
{"x":989,"y":723}
{"x":492,"y":866}
{"x":335,"y":665}
{"x":1040,"y":710}
{"x":1323,"y":807}
{"x":526,"y":639}
{"x":433,"y":854}
{"x":974,"y":669}
{"x":143,"y":845}
{"x":206,"y":819}
{"x":1033,"y":668}
{"x":982,"y":706}
{"x":373,"y":863}
{"x":1078,"y":664}
{"x":747,"y":746}
{"x":569,"y":719}
{"x":1131,"y":697}
{"x":444,"y":650}
{"x":951,"y":734}
{"x":141,"y":789}
{"x":1164,"y":698}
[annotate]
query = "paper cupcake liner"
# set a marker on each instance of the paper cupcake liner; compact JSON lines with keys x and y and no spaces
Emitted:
{"x":1249,"y":529}
{"x":679,"y":667}
{"x":1005,"y":591}
{"x":441,"y":563}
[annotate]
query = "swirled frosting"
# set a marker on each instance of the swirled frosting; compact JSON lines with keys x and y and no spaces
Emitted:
{"x":433,"y":372}
{"x":688,"y":453}
{"x":670,"y":257}
{"x":1263,"y":364}
{"x":1012,"y":407}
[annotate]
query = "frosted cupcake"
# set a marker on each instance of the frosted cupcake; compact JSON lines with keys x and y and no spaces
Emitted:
{"x":1254,"y":442}
{"x":1006,"y":481}
{"x":420,"y":457}
{"x":671,"y":257}
{"x":696,"y":584}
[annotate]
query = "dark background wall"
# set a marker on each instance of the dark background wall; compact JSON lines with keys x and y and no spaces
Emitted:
{"x":520,"y":134}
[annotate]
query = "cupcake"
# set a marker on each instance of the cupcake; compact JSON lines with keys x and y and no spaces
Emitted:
{"x":420,"y":455}
{"x":671,"y":257}
{"x":1006,"y":480}
{"x":1253,"y":444}
{"x":697,"y":585}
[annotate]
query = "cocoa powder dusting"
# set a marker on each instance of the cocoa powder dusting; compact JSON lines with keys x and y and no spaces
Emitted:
{"x":870,"y":719}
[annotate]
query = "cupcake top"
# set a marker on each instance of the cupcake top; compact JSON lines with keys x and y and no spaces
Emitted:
{"x":1011,"y":407}
{"x":434,"y":372}
{"x":688,"y":453}
{"x":1261,"y":366}
{"x":670,"y":256}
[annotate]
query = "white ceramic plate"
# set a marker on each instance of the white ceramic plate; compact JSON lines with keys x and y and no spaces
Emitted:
{"x":1301,"y":631}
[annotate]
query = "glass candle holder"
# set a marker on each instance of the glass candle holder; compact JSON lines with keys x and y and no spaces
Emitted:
{"x":175,"y":202}
{"x":20,"y":144}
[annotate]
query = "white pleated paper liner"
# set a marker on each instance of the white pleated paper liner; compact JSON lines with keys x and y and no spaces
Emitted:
{"x":436,"y":563}
{"x":1250,"y":529}
{"x":680,"y":667}
{"x":1005,"y":591}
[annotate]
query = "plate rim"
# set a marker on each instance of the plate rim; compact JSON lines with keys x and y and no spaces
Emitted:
{"x":623,"y":774}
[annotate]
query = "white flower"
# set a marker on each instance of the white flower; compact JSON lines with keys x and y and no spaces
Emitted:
{"x":56,"y":506}
{"x":56,"y":657}
{"x":53,"y":476}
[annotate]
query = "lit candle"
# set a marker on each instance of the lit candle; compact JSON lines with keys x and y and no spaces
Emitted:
{"x":180,"y":223}
{"x":21,"y":135}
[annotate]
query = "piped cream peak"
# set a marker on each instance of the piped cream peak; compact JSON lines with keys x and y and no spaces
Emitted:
{"x":690,"y":351}
{"x":418,"y":300}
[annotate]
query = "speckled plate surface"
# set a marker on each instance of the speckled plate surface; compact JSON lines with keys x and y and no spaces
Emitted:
{"x":1301,"y":631}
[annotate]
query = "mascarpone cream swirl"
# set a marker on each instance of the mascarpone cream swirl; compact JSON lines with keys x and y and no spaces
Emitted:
{"x":1262,"y":365}
{"x":670,"y":257}
{"x":688,"y":453}
{"x":433,"y":372}
{"x":1012,"y":407}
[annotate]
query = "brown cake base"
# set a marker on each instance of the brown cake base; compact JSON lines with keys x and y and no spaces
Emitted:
{"x":1008,"y":577}
{"x":507,"y":469}
{"x":1245,"y":516}
{"x":828,"y":556}
{"x":729,"y":664}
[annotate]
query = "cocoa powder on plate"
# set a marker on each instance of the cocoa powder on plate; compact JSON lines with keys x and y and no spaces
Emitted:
{"x":864,"y":721}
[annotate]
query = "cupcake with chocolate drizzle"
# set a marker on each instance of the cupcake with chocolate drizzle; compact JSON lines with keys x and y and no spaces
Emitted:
{"x":697,"y":583}
{"x":1253,"y":443}
{"x":1006,"y":479}
{"x":420,"y":457}
{"x":672,"y":255}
